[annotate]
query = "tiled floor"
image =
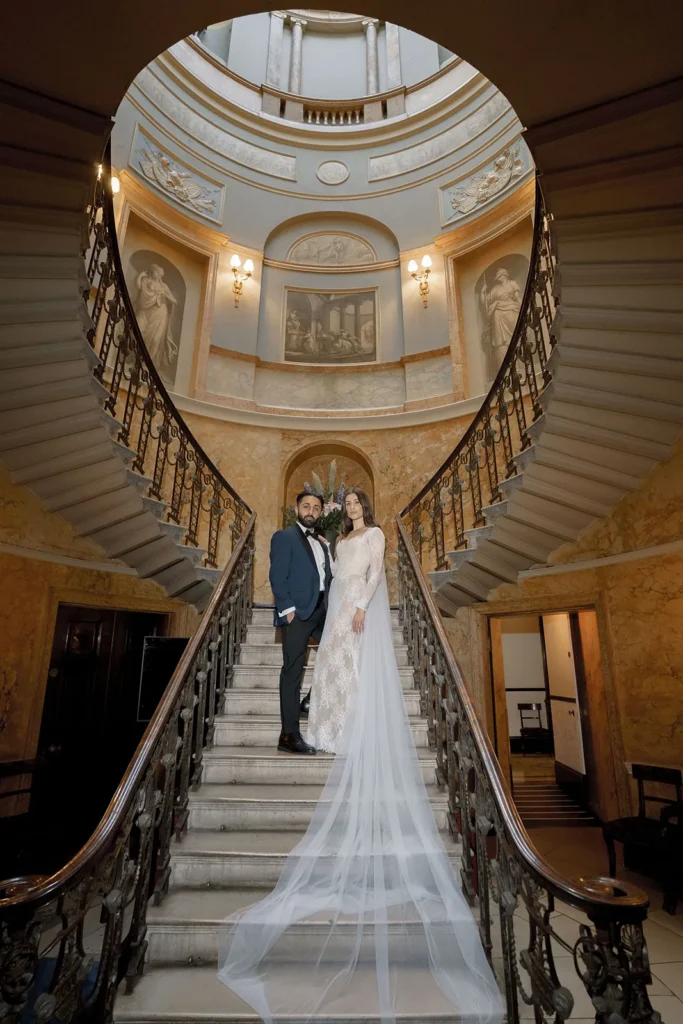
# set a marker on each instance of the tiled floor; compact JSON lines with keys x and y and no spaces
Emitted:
{"x":582,"y":852}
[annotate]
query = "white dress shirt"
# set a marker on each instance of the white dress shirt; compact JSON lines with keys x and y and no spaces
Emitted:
{"x":319,"y":556}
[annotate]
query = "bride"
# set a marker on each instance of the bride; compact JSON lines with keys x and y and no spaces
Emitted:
{"x":367,"y":919}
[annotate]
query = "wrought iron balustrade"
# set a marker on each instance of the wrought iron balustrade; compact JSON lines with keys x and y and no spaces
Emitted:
{"x":472,"y":477}
{"x":182,"y":479}
{"x":515,"y":889}
{"x":127,"y":860}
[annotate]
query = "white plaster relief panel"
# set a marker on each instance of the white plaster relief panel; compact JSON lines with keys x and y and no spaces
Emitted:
{"x":478,"y":191}
{"x":328,"y":248}
{"x":174,"y":179}
{"x":277,"y":165}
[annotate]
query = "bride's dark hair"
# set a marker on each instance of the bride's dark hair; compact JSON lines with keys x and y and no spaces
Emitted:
{"x":368,"y":514}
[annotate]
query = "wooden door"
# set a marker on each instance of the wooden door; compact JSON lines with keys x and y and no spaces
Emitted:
{"x":565,"y":708}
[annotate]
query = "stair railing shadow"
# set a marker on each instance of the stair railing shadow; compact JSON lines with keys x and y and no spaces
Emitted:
{"x":516,"y":890}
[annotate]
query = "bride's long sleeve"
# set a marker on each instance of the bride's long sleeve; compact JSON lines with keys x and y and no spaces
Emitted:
{"x":376,"y":543}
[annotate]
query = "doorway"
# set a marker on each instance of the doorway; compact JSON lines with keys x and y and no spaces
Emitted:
{"x":90,"y":726}
{"x":543,"y":722}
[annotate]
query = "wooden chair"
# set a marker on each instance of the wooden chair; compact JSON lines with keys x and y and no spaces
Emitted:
{"x":531,"y":727}
{"x":658,"y":836}
{"x":672,"y":879}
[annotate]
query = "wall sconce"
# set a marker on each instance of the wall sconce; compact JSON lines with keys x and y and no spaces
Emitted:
{"x":115,"y":185}
{"x":423,"y":278}
{"x":240,"y":275}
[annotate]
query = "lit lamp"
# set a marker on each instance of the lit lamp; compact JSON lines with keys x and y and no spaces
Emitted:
{"x":115,"y":185}
{"x":423,"y":277}
{"x":240,"y":275}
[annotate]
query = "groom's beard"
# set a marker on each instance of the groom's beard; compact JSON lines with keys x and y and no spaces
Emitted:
{"x":309,"y":522}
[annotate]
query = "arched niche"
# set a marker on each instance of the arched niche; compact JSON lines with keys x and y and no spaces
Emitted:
{"x":353,"y":467}
{"x":283,"y":240}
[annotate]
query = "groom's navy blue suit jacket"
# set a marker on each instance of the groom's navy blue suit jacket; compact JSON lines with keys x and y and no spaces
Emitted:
{"x":294,"y":576}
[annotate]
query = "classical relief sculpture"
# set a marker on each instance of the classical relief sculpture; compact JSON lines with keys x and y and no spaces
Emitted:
{"x":499,"y":302}
{"x":153,"y":307}
{"x":485,"y":185}
{"x":331,"y":249}
{"x":180,"y":184}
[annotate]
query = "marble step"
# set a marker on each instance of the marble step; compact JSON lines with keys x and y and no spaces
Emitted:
{"x":268,"y":766}
{"x":264,"y":617}
{"x":187,"y":996}
{"x":185,"y":929}
{"x":270,"y":635}
{"x":267,"y":702}
{"x":222,"y":860}
{"x":229,"y":808}
{"x":271,"y":654}
{"x":266,"y":677}
{"x":262,"y":730}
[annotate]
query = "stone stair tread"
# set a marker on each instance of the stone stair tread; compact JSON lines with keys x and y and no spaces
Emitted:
{"x":182,"y":906}
{"x":268,"y":793}
{"x":272,"y":754}
{"x":191,"y":995}
{"x":254,"y":843}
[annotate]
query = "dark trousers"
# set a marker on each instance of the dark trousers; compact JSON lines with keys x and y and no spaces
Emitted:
{"x":295,"y":639}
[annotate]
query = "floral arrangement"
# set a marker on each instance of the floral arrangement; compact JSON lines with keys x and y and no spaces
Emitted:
{"x":333,"y":498}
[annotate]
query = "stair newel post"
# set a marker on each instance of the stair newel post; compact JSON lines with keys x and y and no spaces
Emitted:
{"x":612,"y":960}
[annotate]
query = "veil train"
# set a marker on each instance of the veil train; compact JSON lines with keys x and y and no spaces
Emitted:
{"x":367,"y":919}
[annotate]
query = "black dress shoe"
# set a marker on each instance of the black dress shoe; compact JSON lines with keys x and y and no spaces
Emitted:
{"x":294,"y":743}
{"x":305,"y":705}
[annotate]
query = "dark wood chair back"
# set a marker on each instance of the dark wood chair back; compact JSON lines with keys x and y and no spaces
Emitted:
{"x":533,"y":716}
{"x":643,"y":773}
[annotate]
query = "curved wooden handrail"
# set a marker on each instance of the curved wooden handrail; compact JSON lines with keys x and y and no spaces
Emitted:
{"x":582,"y":894}
{"x":99,"y":843}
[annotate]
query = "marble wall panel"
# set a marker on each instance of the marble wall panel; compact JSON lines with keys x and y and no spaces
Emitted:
{"x":347,"y":390}
{"x":230,"y":376}
{"x":427,"y":378}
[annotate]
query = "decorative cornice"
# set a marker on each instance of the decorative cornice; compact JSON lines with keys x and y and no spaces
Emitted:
{"x":411,"y":357}
{"x":308,"y":420}
{"x":317,"y":268}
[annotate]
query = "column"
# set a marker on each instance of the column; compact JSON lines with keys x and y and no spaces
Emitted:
{"x":371,"y":62}
{"x":298,"y":25}
{"x":274,"y":60}
{"x":393,"y":56}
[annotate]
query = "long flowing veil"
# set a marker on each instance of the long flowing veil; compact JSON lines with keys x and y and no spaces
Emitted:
{"x":367,"y":919}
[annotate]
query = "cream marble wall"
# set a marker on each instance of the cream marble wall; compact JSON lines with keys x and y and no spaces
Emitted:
{"x":31,"y":591}
{"x":234,"y":379}
{"x":640,"y":616}
{"x":253,"y":459}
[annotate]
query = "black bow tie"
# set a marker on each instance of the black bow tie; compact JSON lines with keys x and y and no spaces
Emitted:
{"x":310,"y":533}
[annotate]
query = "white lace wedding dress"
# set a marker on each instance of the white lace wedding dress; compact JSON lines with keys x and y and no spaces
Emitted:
{"x":367,"y":920}
{"x":358,"y":569}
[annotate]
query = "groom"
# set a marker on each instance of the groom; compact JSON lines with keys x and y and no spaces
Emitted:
{"x":300,"y":577}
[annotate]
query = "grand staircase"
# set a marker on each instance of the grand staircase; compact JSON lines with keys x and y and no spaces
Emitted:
{"x":250,"y":810}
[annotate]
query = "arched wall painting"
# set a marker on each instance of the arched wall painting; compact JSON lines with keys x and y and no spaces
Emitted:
{"x":330,"y":327}
{"x":328,"y":248}
{"x":498,"y":293}
{"x":158,"y":290}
